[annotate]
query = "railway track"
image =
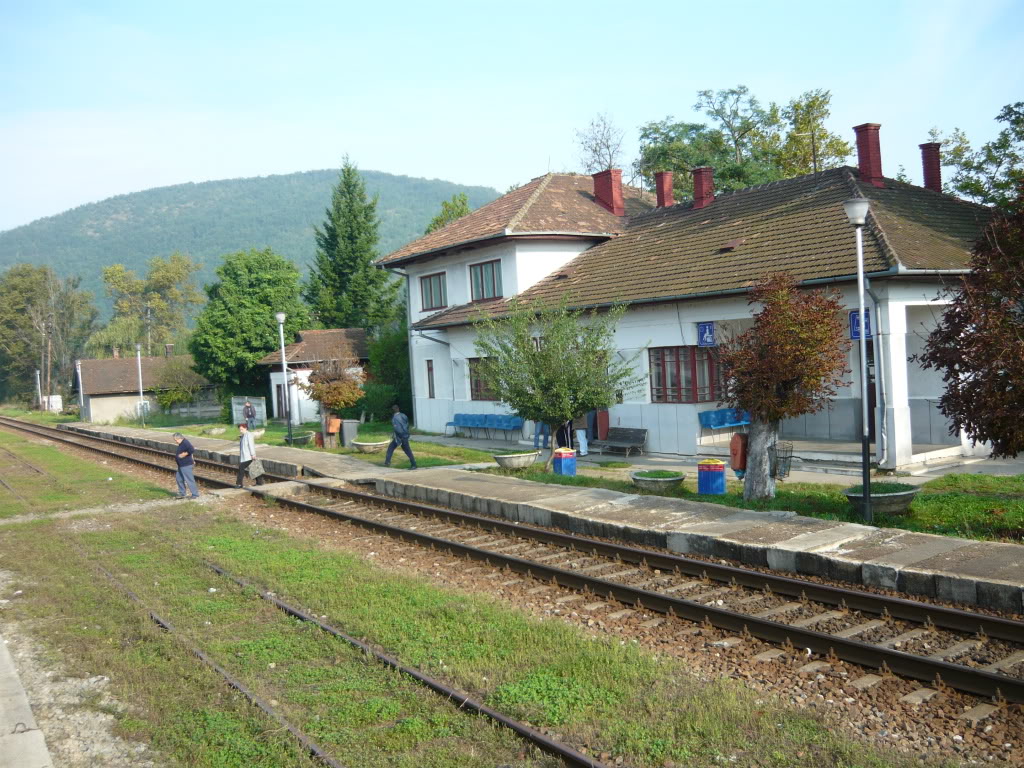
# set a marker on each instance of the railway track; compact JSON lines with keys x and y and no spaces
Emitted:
{"x":972,"y":652}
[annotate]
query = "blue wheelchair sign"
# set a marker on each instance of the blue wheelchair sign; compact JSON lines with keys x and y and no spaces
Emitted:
{"x":706,"y":335}
{"x":855,"y":324}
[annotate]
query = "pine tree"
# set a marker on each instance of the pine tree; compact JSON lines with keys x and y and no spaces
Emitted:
{"x":345,"y":287}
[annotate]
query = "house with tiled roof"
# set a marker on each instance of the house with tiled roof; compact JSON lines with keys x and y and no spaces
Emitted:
{"x":687,"y":267}
{"x":310,"y":348}
{"x":110,"y":387}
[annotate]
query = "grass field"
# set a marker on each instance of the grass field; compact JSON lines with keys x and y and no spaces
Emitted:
{"x":611,"y":696}
{"x":62,"y":481}
{"x":971,"y":506}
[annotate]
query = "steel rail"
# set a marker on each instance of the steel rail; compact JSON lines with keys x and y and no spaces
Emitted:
{"x":897,"y":607}
{"x":459,"y":699}
{"x":304,"y":740}
{"x":963,"y":678}
{"x":957,"y":676}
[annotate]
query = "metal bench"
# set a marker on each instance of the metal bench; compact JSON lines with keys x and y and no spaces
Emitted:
{"x":724,"y":418}
{"x":626,"y":438}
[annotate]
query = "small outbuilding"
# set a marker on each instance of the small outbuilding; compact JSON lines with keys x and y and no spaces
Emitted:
{"x":110,"y":387}
{"x":309,"y":349}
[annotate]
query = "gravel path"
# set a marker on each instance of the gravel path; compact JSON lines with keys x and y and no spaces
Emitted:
{"x":69,"y":710}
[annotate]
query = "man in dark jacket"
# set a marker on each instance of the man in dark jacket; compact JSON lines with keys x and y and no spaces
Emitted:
{"x":186,"y":466}
{"x":400,"y":427}
{"x":249,"y":414}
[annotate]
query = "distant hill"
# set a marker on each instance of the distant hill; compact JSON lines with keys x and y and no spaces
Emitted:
{"x":213,"y":218}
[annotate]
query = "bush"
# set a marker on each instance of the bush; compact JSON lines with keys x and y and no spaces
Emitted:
{"x":377,"y":400}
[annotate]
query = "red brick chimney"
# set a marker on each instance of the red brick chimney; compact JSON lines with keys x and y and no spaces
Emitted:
{"x":608,"y":190}
{"x":869,"y":155}
{"x":932,"y":163}
{"x":663,"y":187}
{"x":117,"y":352}
{"x":703,"y":186}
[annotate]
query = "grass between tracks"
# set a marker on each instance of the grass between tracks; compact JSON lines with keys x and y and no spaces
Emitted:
{"x":987,"y":507}
{"x":68,"y":482}
{"x":610,"y":696}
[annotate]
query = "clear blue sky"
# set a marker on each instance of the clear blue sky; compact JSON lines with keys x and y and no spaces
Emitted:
{"x":101,"y":98}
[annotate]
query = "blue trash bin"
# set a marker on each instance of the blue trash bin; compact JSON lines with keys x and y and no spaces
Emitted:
{"x":565,"y":462}
{"x":711,"y":477}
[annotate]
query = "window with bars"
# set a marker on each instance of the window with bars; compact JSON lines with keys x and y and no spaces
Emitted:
{"x":477,"y":389}
{"x":433,"y":292}
{"x":685,"y":374}
{"x":430,"y":379}
{"x":485,"y":280}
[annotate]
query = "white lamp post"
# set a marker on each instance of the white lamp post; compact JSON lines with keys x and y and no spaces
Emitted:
{"x":284,"y":373}
{"x":142,"y":398}
{"x":857,"y":212}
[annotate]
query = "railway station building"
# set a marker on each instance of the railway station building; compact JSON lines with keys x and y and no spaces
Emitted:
{"x":684,"y":270}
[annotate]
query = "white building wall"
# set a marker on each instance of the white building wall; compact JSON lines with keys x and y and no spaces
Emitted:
{"x":908,"y":311}
{"x":304,"y":409}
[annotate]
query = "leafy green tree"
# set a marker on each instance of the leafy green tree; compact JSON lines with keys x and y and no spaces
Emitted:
{"x":993,"y":173}
{"x":154,"y":309}
{"x":44,"y":322}
{"x":178,"y":383}
{"x":745,"y":143}
{"x":237,"y":326}
{"x":788,"y":364}
{"x":451,"y":210}
{"x":389,"y":362}
{"x":553,"y":364}
{"x":978,"y":345}
{"x":345,"y":288}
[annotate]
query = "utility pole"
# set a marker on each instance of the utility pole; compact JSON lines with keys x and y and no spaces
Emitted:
{"x":49,"y":359}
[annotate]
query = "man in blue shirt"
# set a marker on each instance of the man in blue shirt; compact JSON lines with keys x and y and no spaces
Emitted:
{"x":400,"y":426}
{"x":186,"y":466}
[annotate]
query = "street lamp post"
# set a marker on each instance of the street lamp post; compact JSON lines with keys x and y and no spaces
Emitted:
{"x":39,"y":388}
{"x":142,"y":397}
{"x":857,"y":212}
{"x":284,"y":373}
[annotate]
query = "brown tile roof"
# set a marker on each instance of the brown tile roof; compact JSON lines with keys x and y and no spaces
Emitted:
{"x":797,"y":225}
{"x":316,"y":346}
{"x":556,"y":202}
{"x":121,"y":375}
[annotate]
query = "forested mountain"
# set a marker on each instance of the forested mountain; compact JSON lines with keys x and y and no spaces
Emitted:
{"x":210,"y":219}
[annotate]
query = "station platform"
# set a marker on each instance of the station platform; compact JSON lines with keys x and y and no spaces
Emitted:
{"x":278,"y":460}
{"x":987,"y":574}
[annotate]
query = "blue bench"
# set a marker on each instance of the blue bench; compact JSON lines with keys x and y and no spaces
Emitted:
{"x":489,"y":422}
{"x":724,"y":418}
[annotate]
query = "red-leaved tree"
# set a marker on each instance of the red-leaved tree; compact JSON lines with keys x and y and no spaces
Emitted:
{"x":788,"y":364}
{"x":978,"y":344}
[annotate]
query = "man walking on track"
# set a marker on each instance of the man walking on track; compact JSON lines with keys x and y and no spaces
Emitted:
{"x":249,"y":414}
{"x":246,"y":456}
{"x":400,"y":426}
{"x":186,"y":466}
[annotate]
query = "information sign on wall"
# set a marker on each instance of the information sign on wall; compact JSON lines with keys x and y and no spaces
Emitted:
{"x":706,"y":335}
{"x":855,"y":324}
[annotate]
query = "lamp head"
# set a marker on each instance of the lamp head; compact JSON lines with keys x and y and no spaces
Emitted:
{"x":280,"y":318}
{"x":856,"y":210}
{"x":138,"y":346}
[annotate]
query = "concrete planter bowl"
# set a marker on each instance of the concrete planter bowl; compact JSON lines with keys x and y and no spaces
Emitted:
{"x":894,"y":502}
{"x":258,"y":433}
{"x":370,"y":447}
{"x":657,"y":484}
{"x":517,"y":460}
{"x":216,"y":430}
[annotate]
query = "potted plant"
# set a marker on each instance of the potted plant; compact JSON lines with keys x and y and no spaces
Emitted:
{"x":886,"y":498}
{"x":657,"y":480}
{"x":374,"y":447}
{"x":516,"y":460}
